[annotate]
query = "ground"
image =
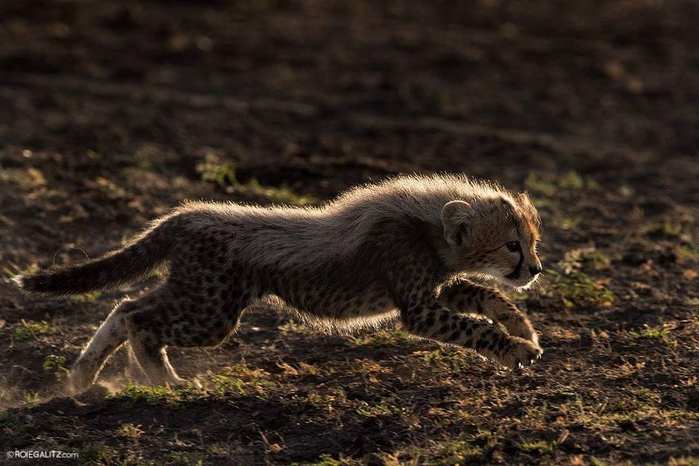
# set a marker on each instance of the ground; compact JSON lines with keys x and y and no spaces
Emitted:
{"x":114,"y":112}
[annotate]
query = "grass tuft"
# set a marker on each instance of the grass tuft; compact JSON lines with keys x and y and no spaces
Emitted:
{"x":214,"y":170}
{"x":31,"y":397}
{"x":323,"y":460}
{"x":55,"y":363}
{"x":687,"y":252}
{"x":577,"y":290}
{"x":129,"y":431}
{"x":540,"y":447}
{"x":97,"y":453}
{"x":584,"y":259}
{"x":88,"y":297}
{"x":659,"y":332}
{"x":549,"y":185}
{"x":150,"y":394}
{"x":31,"y":330}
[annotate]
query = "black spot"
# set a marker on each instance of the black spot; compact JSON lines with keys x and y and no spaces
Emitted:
{"x":518,"y":268}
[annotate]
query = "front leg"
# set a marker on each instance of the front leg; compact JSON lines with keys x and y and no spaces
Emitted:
{"x":466,"y":297}
{"x":413,"y":276}
{"x":430,"y":319}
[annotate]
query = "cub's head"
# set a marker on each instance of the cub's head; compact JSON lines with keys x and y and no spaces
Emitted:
{"x":495,"y":236}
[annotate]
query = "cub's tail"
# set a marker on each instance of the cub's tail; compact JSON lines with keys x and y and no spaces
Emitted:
{"x":136,"y":260}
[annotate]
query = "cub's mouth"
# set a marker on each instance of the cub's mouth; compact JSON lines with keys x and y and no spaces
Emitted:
{"x":521,"y":284}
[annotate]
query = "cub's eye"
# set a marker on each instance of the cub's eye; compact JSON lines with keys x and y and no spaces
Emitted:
{"x":512,"y":246}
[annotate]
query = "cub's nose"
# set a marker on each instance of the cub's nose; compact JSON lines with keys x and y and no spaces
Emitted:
{"x":535,"y":270}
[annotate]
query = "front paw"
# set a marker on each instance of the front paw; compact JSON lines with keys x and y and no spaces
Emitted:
{"x":528,"y":333}
{"x":524,"y":330}
{"x":518,"y":352}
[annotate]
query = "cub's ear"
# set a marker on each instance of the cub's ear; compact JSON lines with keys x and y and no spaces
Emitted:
{"x":455,"y":218}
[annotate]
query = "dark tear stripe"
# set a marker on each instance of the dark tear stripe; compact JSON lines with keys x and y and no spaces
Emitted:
{"x":518,"y":269}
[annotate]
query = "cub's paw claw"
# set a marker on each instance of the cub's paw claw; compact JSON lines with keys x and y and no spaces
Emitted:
{"x":519,"y":353}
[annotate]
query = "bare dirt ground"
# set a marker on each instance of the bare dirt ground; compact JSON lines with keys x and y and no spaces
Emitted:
{"x":113,"y":112}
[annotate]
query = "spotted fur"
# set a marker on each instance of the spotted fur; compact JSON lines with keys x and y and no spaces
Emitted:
{"x":404,"y":248}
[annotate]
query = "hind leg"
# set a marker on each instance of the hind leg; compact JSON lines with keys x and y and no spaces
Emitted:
{"x":152,"y":358}
{"x":108,"y":338}
{"x":133,"y":370}
{"x":178,"y":321}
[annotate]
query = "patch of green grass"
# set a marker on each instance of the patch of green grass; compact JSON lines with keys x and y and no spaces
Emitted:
{"x":150,"y":394}
{"x":55,"y":363}
{"x":31,"y":397}
{"x":97,"y":453}
{"x":300,"y":369}
{"x":214,"y":170}
{"x":566,"y":222}
{"x":460,"y":452}
{"x":129,"y":431}
{"x":237,"y":380}
{"x":241,"y":379}
{"x":278,"y":195}
{"x":584,"y":259}
{"x":540,"y":447}
{"x":549,"y":184}
{"x":11,"y":270}
{"x":441,"y":359}
{"x":88,"y":297}
{"x":687,"y":252}
{"x":574,"y":181}
{"x":577,"y":290}
{"x":684,"y":461}
{"x":541,"y":185}
{"x":323,"y":460}
{"x":186,"y":458}
{"x":668,"y":227}
{"x":386,"y":407}
{"x":225,"y":384}
{"x":659,"y":332}
{"x":438,"y":356}
{"x":218,"y":449}
{"x":318,"y":402}
{"x":31,"y":330}
{"x":542,"y":203}
{"x":671,"y":228}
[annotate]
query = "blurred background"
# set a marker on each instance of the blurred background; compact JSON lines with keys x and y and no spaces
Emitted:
{"x":140,"y":101}
{"x":113,"y":112}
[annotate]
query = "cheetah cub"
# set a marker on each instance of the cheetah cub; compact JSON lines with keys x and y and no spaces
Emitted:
{"x":404,"y":248}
